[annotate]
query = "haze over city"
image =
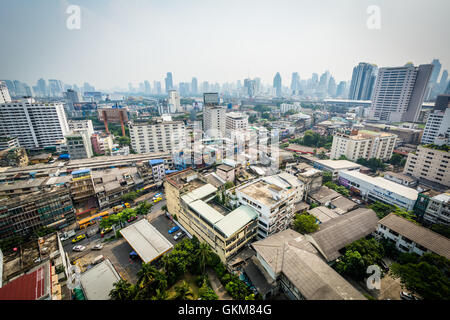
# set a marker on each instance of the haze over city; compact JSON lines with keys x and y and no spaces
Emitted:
{"x":217,"y":41}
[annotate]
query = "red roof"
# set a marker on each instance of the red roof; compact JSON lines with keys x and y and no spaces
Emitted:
{"x":27,"y":287}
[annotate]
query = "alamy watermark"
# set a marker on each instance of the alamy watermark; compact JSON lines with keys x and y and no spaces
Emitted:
{"x":374,"y":19}
{"x":73,"y":21}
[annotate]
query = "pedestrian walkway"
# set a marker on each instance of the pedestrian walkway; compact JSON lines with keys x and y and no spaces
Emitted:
{"x":217,"y":285}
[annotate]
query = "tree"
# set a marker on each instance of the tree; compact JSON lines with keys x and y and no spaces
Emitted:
{"x":373,"y":163}
{"x":428,"y":277}
{"x":305,"y":223}
{"x":396,"y":159}
{"x":358,"y":256}
{"x":123,"y":291}
{"x":228,"y":185}
{"x":149,"y":280}
{"x":441,"y":229}
{"x":143,"y":208}
{"x":183,"y":292}
{"x":381,"y":209}
{"x":130,"y":196}
{"x":206,"y":292}
{"x":342,"y":157}
{"x":203,"y":254}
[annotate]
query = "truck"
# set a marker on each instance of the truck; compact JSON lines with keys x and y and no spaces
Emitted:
{"x":67,"y":235}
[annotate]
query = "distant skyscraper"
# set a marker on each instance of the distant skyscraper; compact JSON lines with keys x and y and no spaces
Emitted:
{"x":214,"y":116}
{"x":184,"y":89}
{"x":130,"y":87}
{"x":205,"y":86}
{"x":11,"y":88}
{"x":324,"y":78}
{"x":169,"y":82}
{"x":250,"y":87}
{"x":340,"y":91}
{"x":295,"y":82}
{"x":194,"y":86}
{"x":443,"y":82}
{"x":141,"y":87}
{"x":87,"y":87}
{"x":363,"y":80}
{"x":173,"y":102}
{"x":332,"y":87}
{"x":277,"y":84}
{"x":42,"y":86}
{"x":399,"y":93}
{"x":20,"y":88}
{"x":157,"y":87}
{"x":148,"y":89}
{"x":436,"y":70}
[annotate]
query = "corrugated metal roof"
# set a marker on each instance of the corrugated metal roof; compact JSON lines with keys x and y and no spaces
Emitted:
{"x":148,"y":242}
{"x":236,"y":219}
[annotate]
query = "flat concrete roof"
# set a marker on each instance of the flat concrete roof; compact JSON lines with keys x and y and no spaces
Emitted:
{"x":236,"y":219}
{"x":146,"y":241}
{"x":388,"y":185}
{"x":338,"y":164}
{"x":98,"y":281}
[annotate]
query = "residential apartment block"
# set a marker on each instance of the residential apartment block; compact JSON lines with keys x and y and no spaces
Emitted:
{"x":226,"y":230}
{"x":35,"y":124}
{"x":437,"y":128}
{"x":429,"y":163}
{"x":363,"y":144}
{"x":157,"y":136}
{"x":438,"y":210}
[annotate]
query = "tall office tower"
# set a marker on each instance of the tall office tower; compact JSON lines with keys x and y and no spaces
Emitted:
{"x":194,"y":86}
{"x":340,"y":91}
{"x":28,"y":91}
{"x":173,"y":102}
{"x":314,"y":80}
{"x":20,"y":88}
{"x":436,"y":70}
{"x":295,"y":82}
{"x":76,"y":88}
{"x":250,"y":87}
{"x":257,"y":85}
{"x":214,"y":116}
{"x":324,"y":78}
{"x":205,"y":86}
{"x":42,"y":86}
{"x":332,"y":87}
{"x":169,"y":82}
{"x":184,"y":89}
{"x":4,"y":93}
{"x":87,"y":87}
{"x":72,"y":97}
{"x":363,"y":81}
{"x":55,"y":88}
{"x":130,"y":87}
{"x":437,"y":129}
{"x":399,"y":93}
{"x":157,"y":136}
{"x":148,"y":89}
{"x":141,"y":87}
{"x":277,"y":84}
{"x":10,"y":86}
{"x":443,"y":82}
{"x":36,"y":125}
{"x":157,"y":87}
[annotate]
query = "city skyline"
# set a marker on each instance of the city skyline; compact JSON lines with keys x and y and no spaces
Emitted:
{"x":214,"y":42}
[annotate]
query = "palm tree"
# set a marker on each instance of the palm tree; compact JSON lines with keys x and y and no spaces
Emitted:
{"x":183,"y":291}
{"x":160,"y":295}
{"x":203,"y":253}
{"x":150,"y":280}
{"x":123,"y":290}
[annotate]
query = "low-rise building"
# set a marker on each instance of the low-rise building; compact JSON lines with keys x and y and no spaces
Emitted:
{"x":438,"y":210}
{"x":430,"y":163}
{"x":399,"y":178}
{"x":410,"y":237}
{"x":13,"y":157}
{"x":102,"y":143}
{"x":379,"y":189}
{"x":8,"y":142}
{"x":334,"y":166}
{"x":297,"y":268}
{"x":79,"y":145}
{"x":191,"y":199}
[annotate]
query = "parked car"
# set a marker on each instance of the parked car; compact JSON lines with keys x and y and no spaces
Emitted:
{"x":407,"y":296}
{"x":133,"y":255}
{"x":79,"y":248}
{"x":174,"y":229}
{"x":106,"y":230}
{"x":157,"y":200}
{"x":78,"y":238}
{"x":67,"y":235}
{"x":178,"y":236}
{"x":97,"y":247}
{"x":158,"y":195}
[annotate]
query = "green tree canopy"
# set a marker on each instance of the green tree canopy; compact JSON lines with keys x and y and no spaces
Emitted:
{"x":305,"y":223}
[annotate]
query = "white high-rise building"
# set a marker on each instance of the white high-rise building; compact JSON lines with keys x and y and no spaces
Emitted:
{"x":236,"y":121}
{"x":437,"y":129}
{"x":4,"y":93}
{"x":174,"y":102}
{"x":214,"y":121}
{"x":79,"y":144}
{"x":79,"y":125}
{"x":157,"y":136}
{"x":399,"y":93}
{"x":35,"y":124}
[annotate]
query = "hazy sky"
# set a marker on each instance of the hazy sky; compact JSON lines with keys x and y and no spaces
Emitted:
{"x":123,"y":41}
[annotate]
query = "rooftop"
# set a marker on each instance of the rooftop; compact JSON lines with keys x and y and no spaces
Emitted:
{"x":98,"y":281}
{"x":421,"y":235}
{"x":323,"y":214}
{"x":338,"y":164}
{"x":337,"y":233}
{"x":385,"y":184}
{"x":146,"y":241}
{"x":264,"y":192}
